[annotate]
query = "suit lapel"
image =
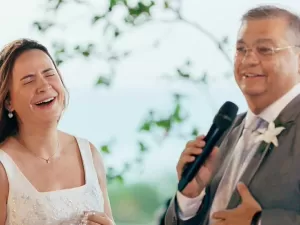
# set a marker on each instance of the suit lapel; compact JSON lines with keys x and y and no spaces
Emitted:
{"x":226,"y":148}
{"x":287,"y":116}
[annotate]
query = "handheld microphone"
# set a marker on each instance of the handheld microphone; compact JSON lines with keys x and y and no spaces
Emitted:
{"x":222,"y":121}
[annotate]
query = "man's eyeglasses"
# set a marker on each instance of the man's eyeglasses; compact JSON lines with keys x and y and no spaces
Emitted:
{"x":261,"y":51}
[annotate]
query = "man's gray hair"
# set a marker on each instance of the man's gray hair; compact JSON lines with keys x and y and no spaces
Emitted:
{"x":270,"y":11}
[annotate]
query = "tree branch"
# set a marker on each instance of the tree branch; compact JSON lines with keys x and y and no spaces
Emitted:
{"x":202,"y":30}
{"x":210,"y":36}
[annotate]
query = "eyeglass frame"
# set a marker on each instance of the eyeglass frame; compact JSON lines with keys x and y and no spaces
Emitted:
{"x":274,"y":51}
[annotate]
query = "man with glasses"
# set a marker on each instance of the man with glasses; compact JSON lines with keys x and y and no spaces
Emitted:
{"x":253,"y":178}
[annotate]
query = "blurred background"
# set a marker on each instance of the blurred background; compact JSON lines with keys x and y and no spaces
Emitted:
{"x":144,"y":78}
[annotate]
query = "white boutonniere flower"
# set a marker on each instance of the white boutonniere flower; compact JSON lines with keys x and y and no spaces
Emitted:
{"x":270,"y":134}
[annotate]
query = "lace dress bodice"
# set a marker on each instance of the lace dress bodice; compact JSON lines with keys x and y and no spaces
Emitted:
{"x":27,"y":206}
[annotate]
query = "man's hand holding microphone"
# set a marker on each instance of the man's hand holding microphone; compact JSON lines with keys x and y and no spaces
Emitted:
{"x":204,"y":175}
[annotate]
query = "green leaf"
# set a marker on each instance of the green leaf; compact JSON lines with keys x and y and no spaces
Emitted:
{"x":113,"y":3}
{"x":195,"y":132}
{"x":103,"y":81}
{"x":43,"y":26}
{"x":86,"y":53}
{"x":142,"y":147}
{"x":58,"y":61}
{"x":139,"y":10}
{"x":77,"y":48}
{"x":146,"y":126}
{"x":96,"y":18}
{"x":119,"y":178}
{"x":176,"y":114}
{"x":85,"y":50}
{"x":164,"y":123}
{"x":117,"y":33}
{"x":105,"y":149}
{"x":166,"y":5}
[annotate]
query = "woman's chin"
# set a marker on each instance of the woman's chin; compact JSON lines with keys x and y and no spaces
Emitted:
{"x":48,"y":118}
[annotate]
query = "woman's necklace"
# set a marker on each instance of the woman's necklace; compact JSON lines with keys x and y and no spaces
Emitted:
{"x":47,"y":160}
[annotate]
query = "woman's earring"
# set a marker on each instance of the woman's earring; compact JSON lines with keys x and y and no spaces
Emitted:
{"x":10,"y":115}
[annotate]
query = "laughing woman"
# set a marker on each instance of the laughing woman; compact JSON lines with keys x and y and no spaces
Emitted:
{"x":46,"y":176}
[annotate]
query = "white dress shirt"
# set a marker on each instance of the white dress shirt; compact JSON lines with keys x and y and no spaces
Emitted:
{"x":188,"y":207}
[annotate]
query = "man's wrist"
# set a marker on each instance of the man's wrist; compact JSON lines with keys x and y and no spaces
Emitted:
{"x":256,"y":218}
{"x":193,"y":194}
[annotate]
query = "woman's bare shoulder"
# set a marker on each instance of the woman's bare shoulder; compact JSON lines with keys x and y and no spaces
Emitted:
{"x":4,"y":187}
{"x":67,"y":140}
{"x":71,"y":139}
{"x":66,"y":136}
{"x":3,"y":179}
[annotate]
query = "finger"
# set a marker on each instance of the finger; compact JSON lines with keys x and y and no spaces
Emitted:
{"x":200,"y":138}
{"x":195,"y":144}
{"x":87,"y":222}
{"x":183,"y":161}
{"x":198,"y":142}
{"x":244,"y":192}
{"x":220,"y":222}
{"x":192,"y":151}
{"x":100,"y":218}
{"x":92,"y":223}
{"x":223,"y":215}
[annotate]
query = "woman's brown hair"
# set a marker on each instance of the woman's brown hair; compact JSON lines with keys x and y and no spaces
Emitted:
{"x":8,"y":56}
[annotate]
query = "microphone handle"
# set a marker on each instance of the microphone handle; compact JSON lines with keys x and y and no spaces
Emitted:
{"x":192,"y":168}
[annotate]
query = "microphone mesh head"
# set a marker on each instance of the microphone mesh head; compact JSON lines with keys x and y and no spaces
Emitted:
{"x":226,"y":115}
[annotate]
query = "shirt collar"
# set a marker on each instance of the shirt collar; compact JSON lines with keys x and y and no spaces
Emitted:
{"x":272,"y":111}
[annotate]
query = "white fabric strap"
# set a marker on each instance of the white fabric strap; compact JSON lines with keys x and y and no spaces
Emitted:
{"x":87,"y":159}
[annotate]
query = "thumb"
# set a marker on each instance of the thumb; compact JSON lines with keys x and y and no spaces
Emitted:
{"x":247,"y":198}
{"x":244,"y":192}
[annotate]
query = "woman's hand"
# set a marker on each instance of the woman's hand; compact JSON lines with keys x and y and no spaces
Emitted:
{"x":96,"y":218}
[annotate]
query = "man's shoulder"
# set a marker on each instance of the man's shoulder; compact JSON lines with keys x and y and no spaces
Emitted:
{"x":241,"y":116}
{"x":239,"y":119}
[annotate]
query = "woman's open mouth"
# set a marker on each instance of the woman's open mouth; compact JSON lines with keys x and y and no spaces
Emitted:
{"x":47,"y":103}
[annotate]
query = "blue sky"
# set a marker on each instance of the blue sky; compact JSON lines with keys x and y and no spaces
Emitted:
{"x":99,"y":115}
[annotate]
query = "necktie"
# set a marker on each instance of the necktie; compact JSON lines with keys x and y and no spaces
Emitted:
{"x":249,"y":136}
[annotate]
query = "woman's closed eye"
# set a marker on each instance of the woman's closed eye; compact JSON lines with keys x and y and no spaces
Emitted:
{"x":28,"y":79}
{"x":50,"y":74}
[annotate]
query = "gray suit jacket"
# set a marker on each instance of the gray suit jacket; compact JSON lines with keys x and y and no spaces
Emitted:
{"x":273,"y":177}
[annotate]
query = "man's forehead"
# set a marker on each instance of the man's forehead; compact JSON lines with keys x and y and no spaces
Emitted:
{"x":263,"y":31}
{"x":258,"y":40}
